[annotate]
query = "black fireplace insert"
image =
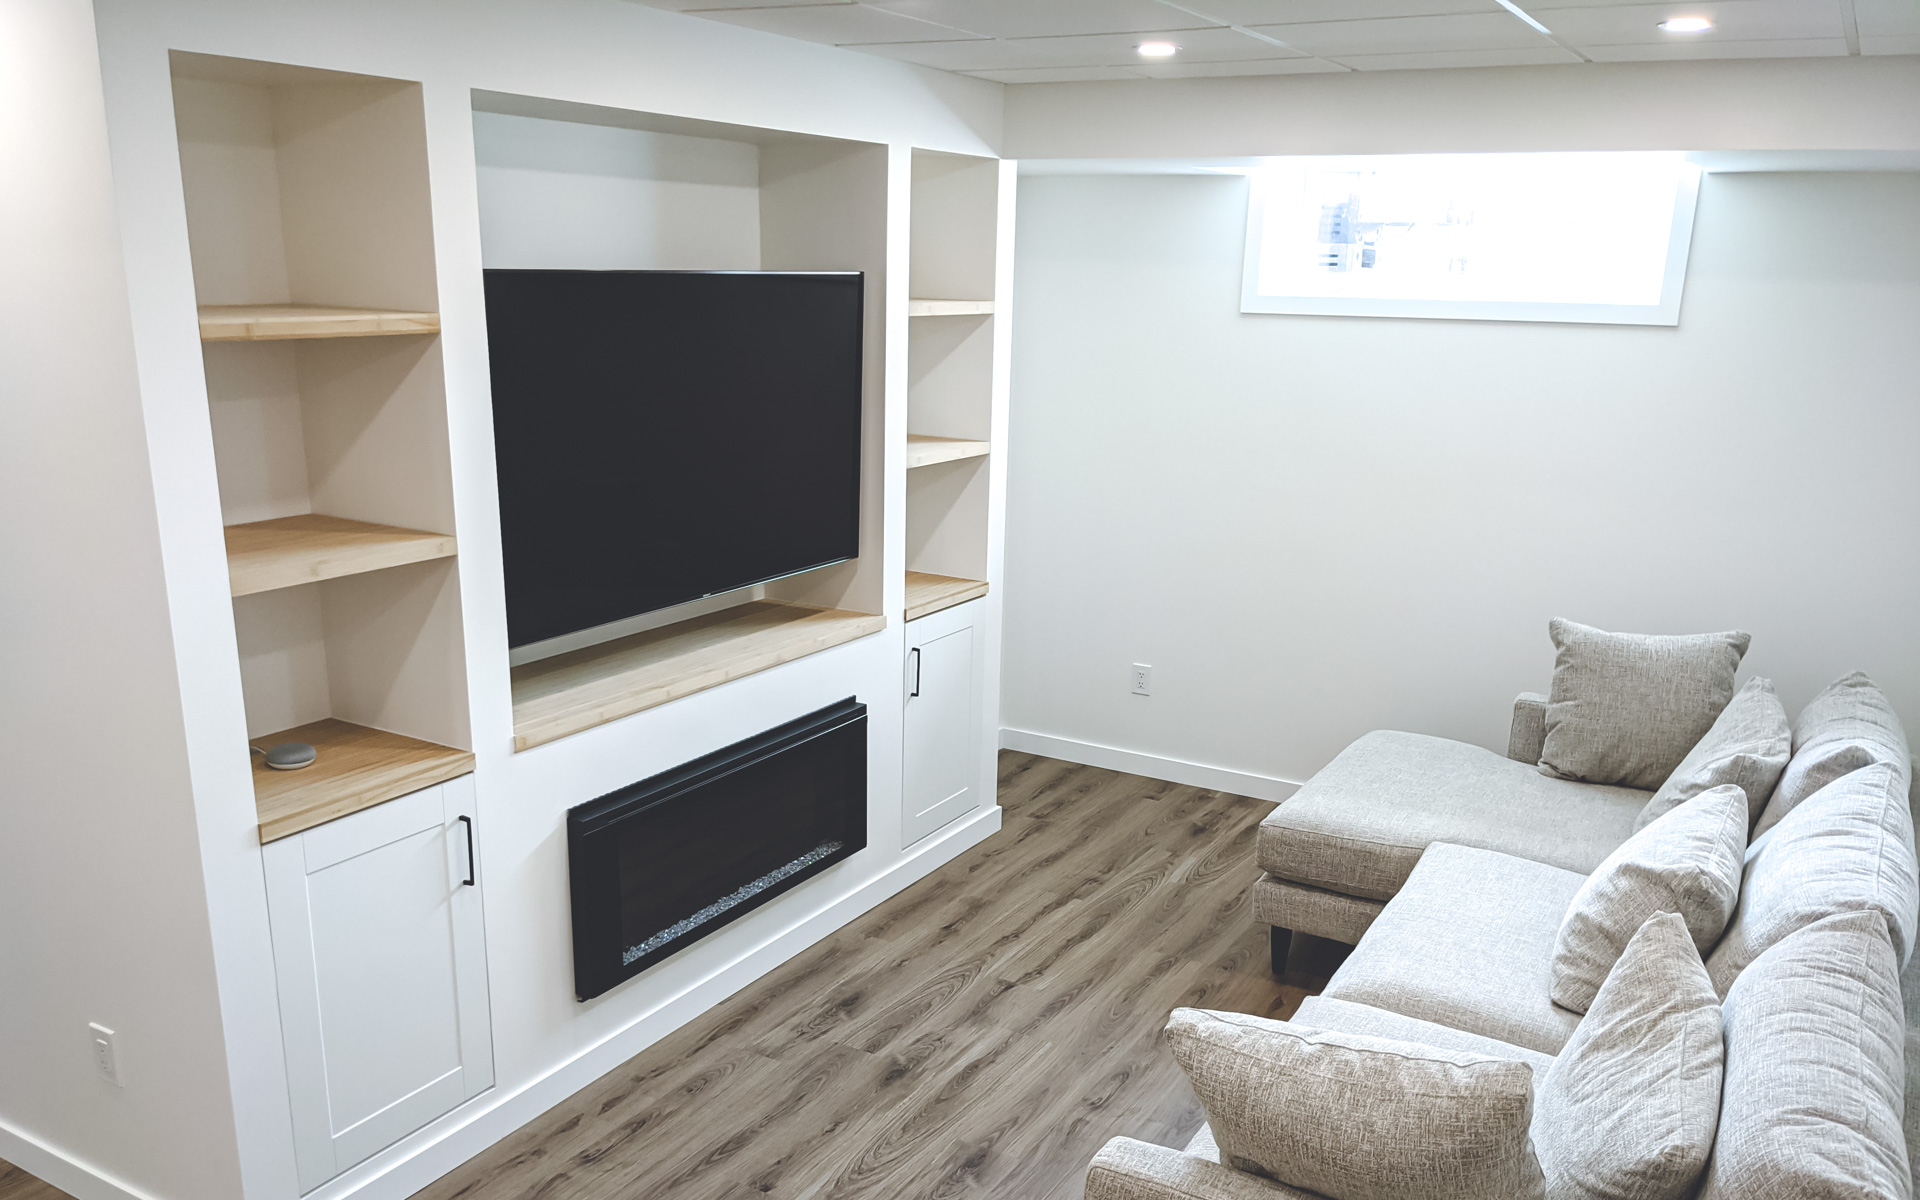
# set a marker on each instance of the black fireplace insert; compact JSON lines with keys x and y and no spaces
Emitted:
{"x":661,"y":863}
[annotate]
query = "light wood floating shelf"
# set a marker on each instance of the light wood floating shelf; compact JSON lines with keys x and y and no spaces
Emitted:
{"x":927,"y":594}
{"x":278,"y":322}
{"x":289,"y":551}
{"x":357,"y":769}
{"x":583,"y":688}
{"x":949,"y":308}
{"x":924,"y":451}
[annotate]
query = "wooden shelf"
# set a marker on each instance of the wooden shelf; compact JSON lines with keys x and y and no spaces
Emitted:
{"x":583,"y":688}
{"x":949,"y":308}
{"x":277,"y":322}
{"x":289,"y":551}
{"x":357,"y":769}
{"x":924,"y":451}
{"x":927,"y":594}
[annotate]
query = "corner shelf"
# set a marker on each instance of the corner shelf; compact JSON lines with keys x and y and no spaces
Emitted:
{"x":949,"y":308}
{"x":288,"y":551}
{"x":280,"y":322}
{"x":924,"y":450}
{"x":583,"y":688}
{"x":358,"y":768}
{"x":928,"y":594}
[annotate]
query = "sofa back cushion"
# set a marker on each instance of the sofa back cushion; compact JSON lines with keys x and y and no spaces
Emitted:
{"x":1359,"y":1118}
{"x":1814,"y":1039}
{"x":1747,"y":747}
{"x":1687,"y":863}
{"x":1630,"y":1106}
{"x":1847,"y":726}
{"x":1848,"y":848}
{"x":1625,"y":708}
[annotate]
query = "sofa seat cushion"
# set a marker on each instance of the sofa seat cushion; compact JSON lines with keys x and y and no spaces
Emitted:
{"x":1344,"y":1016}
{"x":1468,"y":943}
{"x":1361,"y":824}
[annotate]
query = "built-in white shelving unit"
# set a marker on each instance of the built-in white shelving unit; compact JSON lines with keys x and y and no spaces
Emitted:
{"x":312,"y":245}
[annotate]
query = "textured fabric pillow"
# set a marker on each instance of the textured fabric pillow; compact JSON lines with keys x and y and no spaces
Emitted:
{"x":1848,"y":848}
{"x":1847,"y":726}
{"x":1626,"y":707}
{"x":1811,"y":1104}
{"x":1359,"y":1118}
{"x":1747,"y":747}
{"x":1630,"y":1106}
{"x":1687,"y":862}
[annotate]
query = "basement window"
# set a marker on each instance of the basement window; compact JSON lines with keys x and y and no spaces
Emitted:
{"x":1589,"y":237}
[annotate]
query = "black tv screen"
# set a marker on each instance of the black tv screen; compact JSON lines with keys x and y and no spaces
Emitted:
{"x":662,"y":436}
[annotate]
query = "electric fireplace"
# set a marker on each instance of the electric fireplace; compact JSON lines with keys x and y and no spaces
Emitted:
{"x":661,"y":863}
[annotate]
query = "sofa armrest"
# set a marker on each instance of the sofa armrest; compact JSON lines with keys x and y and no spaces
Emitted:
{"x":1528,"y":737}
{"x":1129,"y":1170}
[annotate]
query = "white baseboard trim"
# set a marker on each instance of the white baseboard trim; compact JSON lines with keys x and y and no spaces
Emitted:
{"x":404,"y":1169}
{"x":1153,"y":766}
{"x":79,"y":1180}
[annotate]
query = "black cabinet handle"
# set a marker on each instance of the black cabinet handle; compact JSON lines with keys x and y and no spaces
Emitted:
{"x":468,"y":822}
{"x":916,"y":674}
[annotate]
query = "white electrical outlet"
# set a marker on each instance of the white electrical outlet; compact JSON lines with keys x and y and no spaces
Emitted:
{"x":106,"y":1059}
{"x":1142,"y":679}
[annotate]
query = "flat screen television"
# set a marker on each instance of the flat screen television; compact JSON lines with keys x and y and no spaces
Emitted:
{"x":663,"y":436}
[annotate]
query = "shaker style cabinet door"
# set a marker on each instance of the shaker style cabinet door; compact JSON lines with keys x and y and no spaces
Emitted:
{"x":379,"y":946}
{"x":941,"y":757}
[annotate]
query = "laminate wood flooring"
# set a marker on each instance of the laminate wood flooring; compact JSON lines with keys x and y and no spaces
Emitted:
{"x":980,"y":1034}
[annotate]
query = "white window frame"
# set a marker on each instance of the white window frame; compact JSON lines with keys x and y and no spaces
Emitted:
{"x":1666,"y":312}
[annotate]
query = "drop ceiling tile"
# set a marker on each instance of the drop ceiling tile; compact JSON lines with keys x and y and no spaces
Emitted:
{"x":1772,"y":48}
{"x":1528,"y":57}
{"x":1890,"y":43}
{"x":1058,"y":74}
{"x":1733,"y":20}
{"x":1409,"y":35}
{"x":1264,"y":66}
{"x":1048,"y":18}
{"x":1293,"y":12}
{"x":1098,"y":50}
{"x":701,"y":6}
{"x":1884,"y":18}
{"x":839,"y":24}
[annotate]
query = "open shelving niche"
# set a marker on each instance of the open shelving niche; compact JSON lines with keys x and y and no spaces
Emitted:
{"x":950,"y":339}
{"x":312,"y":247}
{"x":568,"y":185}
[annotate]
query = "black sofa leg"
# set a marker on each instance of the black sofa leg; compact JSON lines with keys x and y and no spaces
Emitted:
{"x":1278,"y":940}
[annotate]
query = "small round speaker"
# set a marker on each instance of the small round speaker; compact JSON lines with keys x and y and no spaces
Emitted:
{"x":291,"y":756}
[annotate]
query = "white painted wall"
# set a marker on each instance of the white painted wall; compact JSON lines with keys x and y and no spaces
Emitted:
{"x":1314,"y":527}
{"x":1776,"y":104}
{"x":102,"y":904}
{"x":566,"y":196}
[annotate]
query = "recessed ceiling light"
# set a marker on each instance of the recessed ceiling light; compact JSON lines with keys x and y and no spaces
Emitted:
{"x":1686,"y":25}
{"x":1157,"y":49}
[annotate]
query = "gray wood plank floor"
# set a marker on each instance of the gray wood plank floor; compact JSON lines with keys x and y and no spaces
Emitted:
{"x":979,"y":1035}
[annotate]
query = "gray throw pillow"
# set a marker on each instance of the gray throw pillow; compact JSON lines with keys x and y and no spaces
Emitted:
{"x":1748,"y":747}
{"x":1848,"y":848}
{"x":1626,"y":707}
{"x":1359,"y":1118}
{"x":1812,"y":1100}
{"x":1847,"y":726}
{"x":1630,"y":1105}
{"x":1687,"y":862}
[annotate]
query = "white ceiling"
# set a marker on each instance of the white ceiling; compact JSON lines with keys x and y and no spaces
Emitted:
{"x":1053,"y":41}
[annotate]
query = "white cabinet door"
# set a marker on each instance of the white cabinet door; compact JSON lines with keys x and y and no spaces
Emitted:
{"x":379,"y":946}
{"x":941,"y":759}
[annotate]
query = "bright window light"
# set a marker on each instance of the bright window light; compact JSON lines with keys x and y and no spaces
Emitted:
{"x":1157,"y":49}
{"x":1686,"y":25}
{"x":1590,"y":237}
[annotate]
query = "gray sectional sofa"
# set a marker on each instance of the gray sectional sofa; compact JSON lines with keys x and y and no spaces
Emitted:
{"x":1450,"y":869}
